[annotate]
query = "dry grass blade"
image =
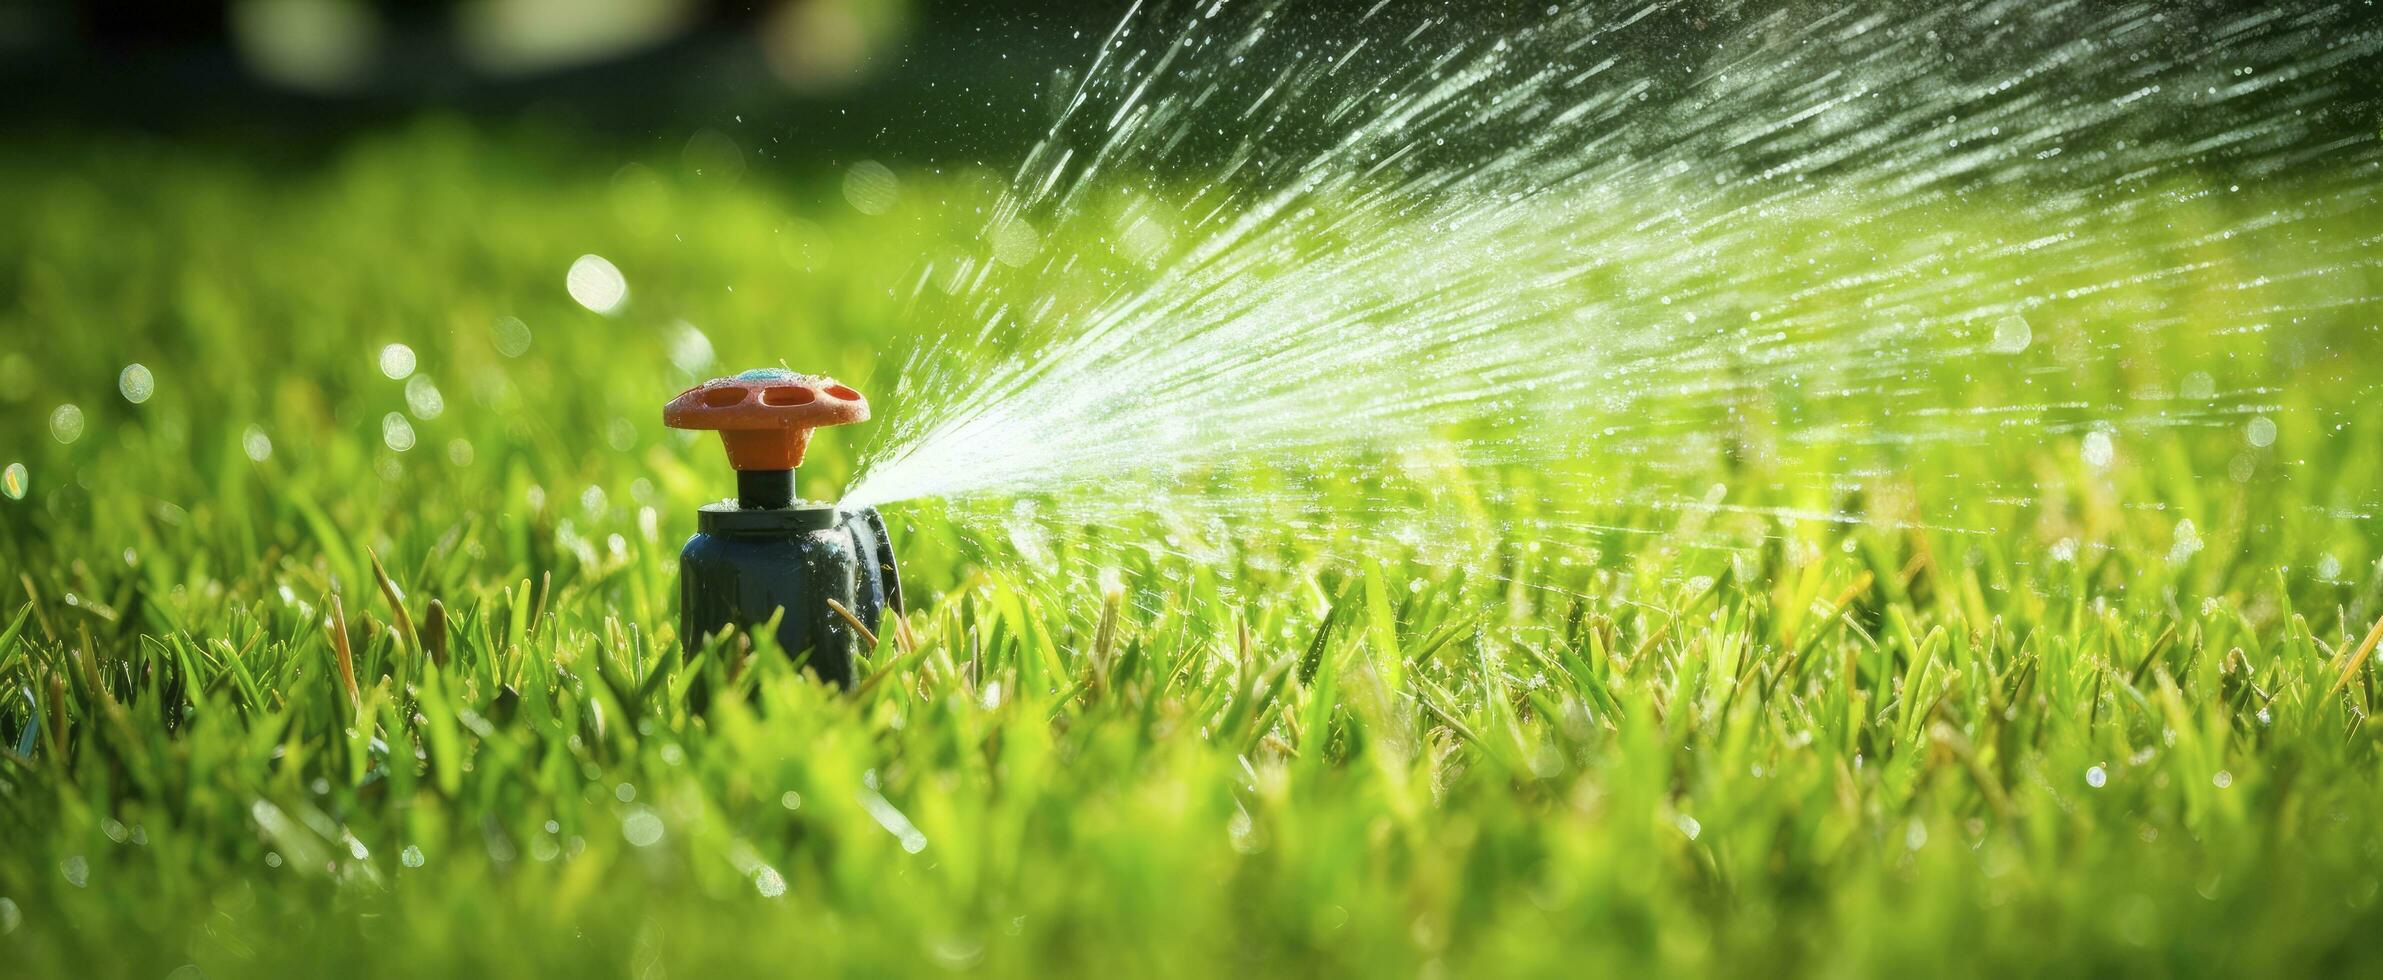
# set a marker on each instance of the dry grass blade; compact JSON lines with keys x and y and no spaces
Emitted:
{"x":2350,"y":667}
{"x":396,"y":600}
{"x":1861,"y":586}
{"x":868,"y":635}
{"x":1104,"y":636}
{"x":1638,"y":655}
{"x":337,"y":626}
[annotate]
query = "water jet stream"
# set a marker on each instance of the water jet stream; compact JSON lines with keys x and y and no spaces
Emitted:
{"x":1266,"y":254}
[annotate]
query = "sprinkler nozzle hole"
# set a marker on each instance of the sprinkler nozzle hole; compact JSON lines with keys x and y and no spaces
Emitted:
{"x":788,"y":395}
{"x":844,"y":393}
{"x":723,"y":396}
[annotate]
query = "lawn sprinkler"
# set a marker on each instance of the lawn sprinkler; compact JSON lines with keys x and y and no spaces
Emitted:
{"x":769,"y":553}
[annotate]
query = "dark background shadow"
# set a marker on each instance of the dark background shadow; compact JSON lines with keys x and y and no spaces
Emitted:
{"x":916,"y":82}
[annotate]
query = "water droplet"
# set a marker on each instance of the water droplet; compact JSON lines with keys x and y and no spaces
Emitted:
{"x":10,"y":916}
{"x":2197,"y":387}
{"x":14,"y":481}
{"x":1016,"y":242}
{"x":2187,"y":544}
{"x":688,"y":348}
{"x":66,"y":423}
{"x":871,"y":188}
{"x":642,"y":827}
{"x":791,"y":800}
{"x":397,"y":361}
{"x":410,"y":857}
{"x":714,"y":157}
{"x":2222,"y":780}
{"x":256,"y":444}
{"x":2012,"y":334}
{"x":2098,"y":450}
{"x":1688,"y":825}
{"x":136,"y":383}
{"x":769,"y":882}
{"x":511,"y":336}
{"x":1143,"y":235}
{"x":2097,"y":777}
{"x":77,"y":870}
{"x":459,"y":451}
{"x":594,"y":282}
{"x":2261,"y":432}
{"x":396,"y":432}
{"x":423,"y":398}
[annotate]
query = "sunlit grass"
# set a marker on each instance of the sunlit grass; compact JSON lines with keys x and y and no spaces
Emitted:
{"x":2117,"y":723}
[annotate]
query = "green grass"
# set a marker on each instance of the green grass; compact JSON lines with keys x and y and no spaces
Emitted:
{"x":1837,"y":749}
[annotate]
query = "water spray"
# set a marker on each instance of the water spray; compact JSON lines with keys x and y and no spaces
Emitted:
{"x":1847,"y":244}
{"x":823,"y":573}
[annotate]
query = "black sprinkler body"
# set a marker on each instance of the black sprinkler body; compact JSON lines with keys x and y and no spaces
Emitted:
{"x":768,"y":553}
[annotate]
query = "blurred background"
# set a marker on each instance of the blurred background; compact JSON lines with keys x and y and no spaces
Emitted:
{"x":942,"y":81}
{"x":947,"y":77}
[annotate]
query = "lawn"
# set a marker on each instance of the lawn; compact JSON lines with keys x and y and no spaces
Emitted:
{"x":329,"y":658}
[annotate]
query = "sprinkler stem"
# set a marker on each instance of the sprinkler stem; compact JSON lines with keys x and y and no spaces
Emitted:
{"x":764,"y":489}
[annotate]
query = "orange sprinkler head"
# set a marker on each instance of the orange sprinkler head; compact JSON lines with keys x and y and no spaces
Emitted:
{"x":765,"y":417}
